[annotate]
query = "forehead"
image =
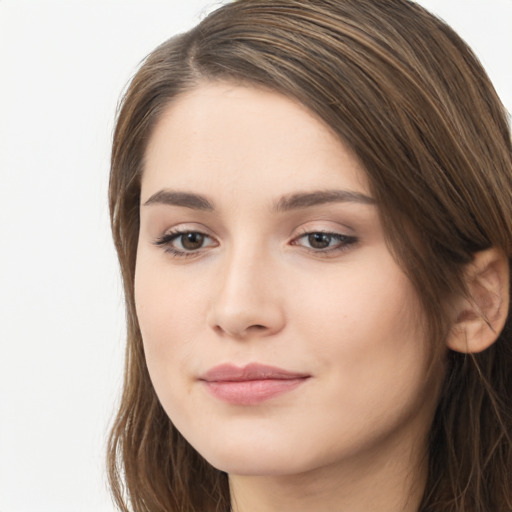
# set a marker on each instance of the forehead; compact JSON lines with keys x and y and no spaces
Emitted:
{"x":246,"y":138}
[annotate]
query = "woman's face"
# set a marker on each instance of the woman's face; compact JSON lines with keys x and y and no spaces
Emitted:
{"x":279,"y":332}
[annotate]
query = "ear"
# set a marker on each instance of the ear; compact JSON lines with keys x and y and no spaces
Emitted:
{"x":480,"y":317}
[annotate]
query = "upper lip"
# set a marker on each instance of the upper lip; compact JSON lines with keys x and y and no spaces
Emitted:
{"x":253,"y":371}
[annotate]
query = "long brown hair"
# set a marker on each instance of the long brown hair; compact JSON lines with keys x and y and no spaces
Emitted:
{"x":412,"y":101}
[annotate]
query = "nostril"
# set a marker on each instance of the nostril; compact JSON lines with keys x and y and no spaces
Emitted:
{"x":240,"y":333}
{"x":257,"y":327}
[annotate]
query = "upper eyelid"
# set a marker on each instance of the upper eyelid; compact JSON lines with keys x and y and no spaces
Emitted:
{"x":332,"y":230}
{"x":313,"y":226}
{"x":188,"y":228}
{"x":174,"y":234}
{"x":296,"y":233}
{"x":334,"y":234}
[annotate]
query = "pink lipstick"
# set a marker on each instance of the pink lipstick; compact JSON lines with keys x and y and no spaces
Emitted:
{"x":251,"y":384}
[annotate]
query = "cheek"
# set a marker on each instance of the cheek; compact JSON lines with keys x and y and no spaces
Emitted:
{"x":167,"y":311}
{"x":368,"y":340}
{"x":167,"y":303}
{"x":359,"y":301}
{"x":369,"y":321}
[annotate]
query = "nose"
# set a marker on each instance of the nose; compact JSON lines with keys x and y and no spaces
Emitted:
{"x":248,"y":302}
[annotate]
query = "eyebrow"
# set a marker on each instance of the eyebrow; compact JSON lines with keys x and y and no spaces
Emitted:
{"x":294,"y":201}
{"x":184,"y":199}
{"x":309,"y":199}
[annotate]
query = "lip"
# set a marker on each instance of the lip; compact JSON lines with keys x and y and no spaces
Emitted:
{"x":250,"y":384}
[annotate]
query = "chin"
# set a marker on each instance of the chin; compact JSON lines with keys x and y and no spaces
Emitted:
{"x":255,"y":459}
{"x":256,"y":466}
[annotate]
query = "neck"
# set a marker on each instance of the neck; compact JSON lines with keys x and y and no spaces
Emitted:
{"x":391,"y":480}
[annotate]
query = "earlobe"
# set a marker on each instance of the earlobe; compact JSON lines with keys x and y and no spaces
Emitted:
{"x":481,"y":316}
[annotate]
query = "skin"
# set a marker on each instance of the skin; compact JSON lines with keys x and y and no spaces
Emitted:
{"x":352,"y":436}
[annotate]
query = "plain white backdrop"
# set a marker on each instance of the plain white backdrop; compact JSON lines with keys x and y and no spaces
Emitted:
{"x":63,"y":65}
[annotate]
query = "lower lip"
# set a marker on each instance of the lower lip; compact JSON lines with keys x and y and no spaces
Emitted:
{"x":251,"y":392}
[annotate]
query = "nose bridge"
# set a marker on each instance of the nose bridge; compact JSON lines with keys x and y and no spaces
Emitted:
{"x":247,"y":298}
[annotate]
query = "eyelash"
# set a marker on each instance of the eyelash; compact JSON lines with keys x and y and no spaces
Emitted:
{"x":167,"y":239}
{"x":343,"y":243}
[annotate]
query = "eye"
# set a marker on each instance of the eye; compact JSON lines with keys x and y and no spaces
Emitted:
{"x":185,"y":243}
{"x":324,"y":242}
{"x":190,"y":241}
{"x":320,"y":240}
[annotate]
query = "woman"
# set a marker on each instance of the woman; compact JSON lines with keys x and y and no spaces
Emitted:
{"x":311,"y":203}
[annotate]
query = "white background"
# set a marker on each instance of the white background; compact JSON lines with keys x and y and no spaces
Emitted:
{"x":63,"y":65}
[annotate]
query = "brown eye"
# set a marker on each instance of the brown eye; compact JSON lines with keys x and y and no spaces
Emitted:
{"x":192,"y":241}
{"x":186,"y":243}
{"x":324,"y":242}
{"x":319,"y":240}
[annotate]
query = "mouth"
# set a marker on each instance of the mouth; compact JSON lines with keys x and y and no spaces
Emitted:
{"x":251,"y":384}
